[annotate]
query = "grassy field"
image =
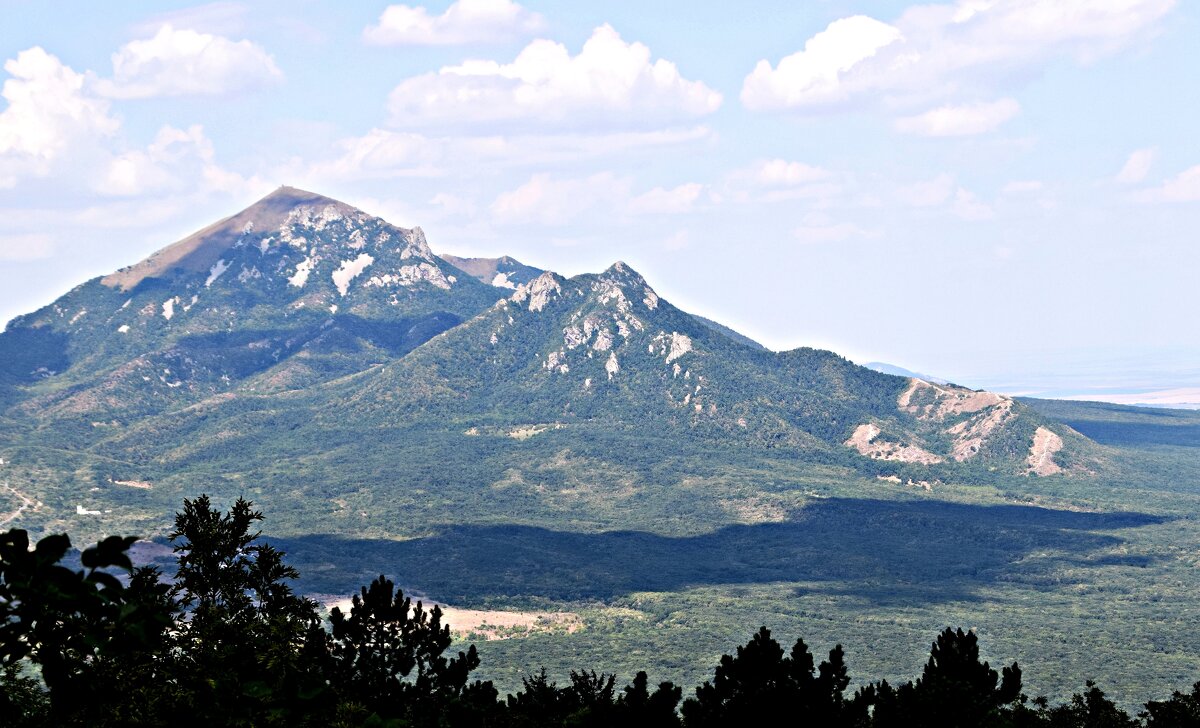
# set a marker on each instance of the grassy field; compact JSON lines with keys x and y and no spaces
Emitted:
{"x":673,"y":552}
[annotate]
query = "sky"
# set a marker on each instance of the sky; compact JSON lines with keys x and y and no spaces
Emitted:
{"x":1005,"y":193}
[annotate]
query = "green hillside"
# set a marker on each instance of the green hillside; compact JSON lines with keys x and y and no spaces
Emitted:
{"x":581,"y":446}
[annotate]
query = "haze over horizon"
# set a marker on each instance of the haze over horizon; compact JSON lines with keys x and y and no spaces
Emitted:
{"x":1000,"y":194}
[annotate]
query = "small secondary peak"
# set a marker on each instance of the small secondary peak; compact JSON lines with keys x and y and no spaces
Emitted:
{"x":623,"y":273}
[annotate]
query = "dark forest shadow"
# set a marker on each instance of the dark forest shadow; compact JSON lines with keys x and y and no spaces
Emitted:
{"x":1139,"y":434}
{"x":884,"y":551}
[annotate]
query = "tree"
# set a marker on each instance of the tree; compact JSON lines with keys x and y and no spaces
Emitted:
{"x":87,"y":631}
{"x":1092,"y":709}
{"x":760,"y":683}
{"x":387,"y":656}
{"x":252,"y":650}
{"x":955,"y":688}
{"x":1181,"y":711}
{"x":639,"y":708}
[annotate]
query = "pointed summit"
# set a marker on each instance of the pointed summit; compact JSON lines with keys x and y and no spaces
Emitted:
{"x":620,"y":279}
{"x":622,"y":273}
{"x":202,"y":249}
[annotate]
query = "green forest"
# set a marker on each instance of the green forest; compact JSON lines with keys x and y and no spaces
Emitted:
{"x":88,"y":638}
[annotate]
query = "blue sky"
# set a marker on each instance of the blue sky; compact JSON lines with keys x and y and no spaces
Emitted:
{"x":1002,"y":192}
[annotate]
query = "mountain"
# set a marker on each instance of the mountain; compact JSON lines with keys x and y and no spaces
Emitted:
{"x":567,"y":444}
{"x":507,"y":272}
{"x":736,"y":336}
{"x":329,"y":365}
{"x":294,"y":290}
{"x":886,"y":368}
{"x":502,"y":272}
{"x":606,"y":347}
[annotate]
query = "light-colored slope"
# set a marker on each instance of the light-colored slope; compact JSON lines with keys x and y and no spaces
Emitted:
{"x":203,"y":248}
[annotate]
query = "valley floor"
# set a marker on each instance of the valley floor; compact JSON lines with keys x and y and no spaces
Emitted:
{"x":1075,"y":578}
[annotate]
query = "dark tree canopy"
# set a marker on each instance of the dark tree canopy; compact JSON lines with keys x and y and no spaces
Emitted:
{"x":228,"y":642}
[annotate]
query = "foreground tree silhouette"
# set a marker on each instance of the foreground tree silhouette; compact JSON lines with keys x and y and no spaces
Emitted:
{"x":250,"y":649}
{"x":759,"y":684}
{"x":1180,"y":711}
{"x":1091,"y":709}
{"x":87,"y":631}
{"x":591,"y":701}
{"x":230,"y":643}
{"x":955,"y":689}
{"x":386,"y":659}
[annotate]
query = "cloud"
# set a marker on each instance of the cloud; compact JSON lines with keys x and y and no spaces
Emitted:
{"x":554,"y":201}
{"x":928,"y":193}
{"x":25,"y":247}
{"x":968,"y":207}
{"x":943,"y":192}
{"x":1183,"y":187}
{"x":819,"y":228}
{"x":938,"y":50}
{"x":814,"y":75}
{"x":781,"y":173}
{"x":965,"y":120}
{"x":187,"y":63}
{"x":220,"y":17}
{"x":177,"y":160}
{"x":546,"y":200}
{"x":1020,"y":187}
{"x":609,"y":83}
{"x":48,"y":112}
{"x":1137,"y":166}
{"x":466,"y":21}
{"x":781,"y":180}
{"x":389,"y":154}
{"x":663,"y":201}
{"x":55,"y":130}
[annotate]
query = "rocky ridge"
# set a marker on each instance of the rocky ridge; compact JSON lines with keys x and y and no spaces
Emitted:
{"x":300,"y":290}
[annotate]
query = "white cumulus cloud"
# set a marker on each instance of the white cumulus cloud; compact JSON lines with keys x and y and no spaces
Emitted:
{"x":963,"y":120}
{"x":55,"y":129}
{"x":1137,"y":166}
{"x":466,"y":21}
{"x":1183,"y":187}
{"x":938,"y":50}
{"x":551,"y":200}
{"x":667,"y":201}
{"x":608,"y":83}
{"x":48,"y":115}
{"x":548,"y":200}
{"x":182,"y":62}
{"x":177,"y":160}
{"x":782,"y":173}
{"x":815,"y":75}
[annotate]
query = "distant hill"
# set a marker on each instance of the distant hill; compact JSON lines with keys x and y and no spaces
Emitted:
{"x":328,"y":362}
{"x":502,"y":272}
{"x":902,"y":372}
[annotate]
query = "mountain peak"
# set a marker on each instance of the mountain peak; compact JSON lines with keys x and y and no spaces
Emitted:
{"x":203,"y":248}
{"x":621,"y":270}
{"x":289,"y":198}
{"x":619,"y":276}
